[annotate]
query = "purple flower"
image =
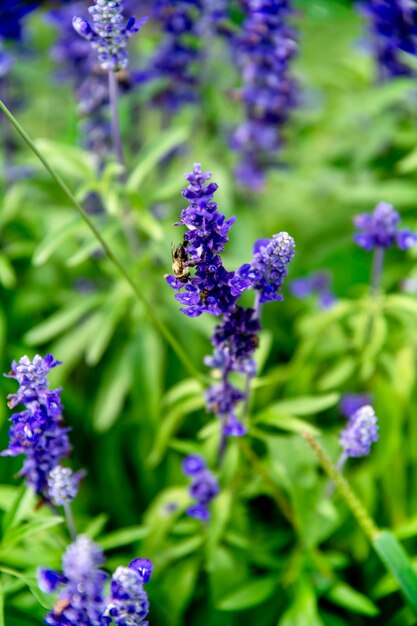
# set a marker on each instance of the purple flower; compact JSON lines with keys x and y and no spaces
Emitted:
{"x":318,"y":283}
{"x":203,"y":489}
{"x":193,"y":464}
{"x":81,"y":601}
{"x":37,"y":432}
{"x":12,"y":13}
{"x":351,"y":402}
{"x":360,"y":433}
{"x":264,"y":52}
{"x":268,"y":268}
{"x":177,"y":61}
{"x":212,"y":289}
{"x":108,"y":36}
{"x":129,"y":604}
{"x":380,"y":229}
{"x":393,"y":30}
{"x":63,"y":485}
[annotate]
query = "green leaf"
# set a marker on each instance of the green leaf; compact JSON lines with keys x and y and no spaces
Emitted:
{"x":153,"y":153}
{"x":114,"y":388}
{"x":24,"y":531}
{"x":18,"y":506}
{"x":171,"y":422}
{"x":396,"y":560}
{"x":337,"y":375}
{"x":290,"y":424}
{"x":69,"y":161}
{"x":250,"y":594}
{"x":123,"y":537}
{"x":55,"y":239}
{"x":106,"y":320}
{"x":29,"y":582}
{"x":61,"y":320}
{"x":7,"y":273}
{"x":305,"y":405}
{"x":343,"y":595}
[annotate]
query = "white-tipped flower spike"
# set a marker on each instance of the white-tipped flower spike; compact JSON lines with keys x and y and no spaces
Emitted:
{"x":107,"y":34}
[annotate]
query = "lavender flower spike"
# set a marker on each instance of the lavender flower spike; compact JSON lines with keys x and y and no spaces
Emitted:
{"x":107,"y":34}
{"x":380,"y":229}
{"x":203,"y":488}
{"x":360,"y":433}
{"x":129,"y":603}
{"x":268,"y":268}
{"x":63,"y":485}
{"x":38,"y":432}
{"x":264,"y":53}
{"x":213,"y":289}
{"x":81,"y":601}
{"x":393,"y":30}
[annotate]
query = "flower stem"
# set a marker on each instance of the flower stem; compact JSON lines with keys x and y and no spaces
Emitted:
{"x":128,"y":226}
{"x":352,"y":501}
{"x":114,"y":117}
{"x":256,"y":463}
{"x":160,"y":326}
{"x":70,"y":521}
{"x":376,"y":274}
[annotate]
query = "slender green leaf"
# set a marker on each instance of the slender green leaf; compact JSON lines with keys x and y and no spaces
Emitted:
{"x":123,"y":537}
{"x":250,"y":594}
{"x":395,"y":559}
{"x":343,"y":595}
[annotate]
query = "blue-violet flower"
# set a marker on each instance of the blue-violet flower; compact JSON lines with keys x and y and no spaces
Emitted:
{"x":380,"y":229}
{"x":360,"y":433}
{"x":203,"y":489}
{"x":108,"y":35}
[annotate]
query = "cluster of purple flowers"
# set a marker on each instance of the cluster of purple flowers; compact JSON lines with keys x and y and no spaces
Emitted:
{"x":82,"y":600}
{"x":213,"y":289}
{"x":318,"y":284}
{"x":360,"y":433}
{"x":203,"y":488}
{"x":37,"y":432}
{"x":380,"y":229}
{"x":393,"y":30}
{"x":351,"y":402}
{"x":264,"y":52}
{"x":178,"y":58}
{"x":108,"y":35}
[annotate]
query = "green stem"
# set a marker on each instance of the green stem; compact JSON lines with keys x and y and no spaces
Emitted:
{"x":182,"y":355}
{"x":363,"y":518}
{"x":263,"y":474}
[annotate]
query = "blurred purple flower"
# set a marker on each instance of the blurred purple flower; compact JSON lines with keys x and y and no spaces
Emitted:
{"x":317,"y":283}
{"x":177,"y":61}
{"x":81,"y":601}
{"x":392,"y":28}
{"x":360,"y":433}
{"x":380,"y":229}
{"x":203,"y":489}
{"x":264,"y":51}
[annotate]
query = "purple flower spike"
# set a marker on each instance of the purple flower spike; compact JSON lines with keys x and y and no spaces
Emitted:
{"x":63,"y":485}
{"x":204,"y":487}
{"x":37,"y":432}
{"x":380,"y":229}
{"x":212,"y":289}
{"x":268,"y":268}
{"x":264,"y":52}
{"x":107,"y":35}
{"x":81,"y":601}
{"x":360,"y":433}
{"x":392,"y":28}
{"x":129,"y":604}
